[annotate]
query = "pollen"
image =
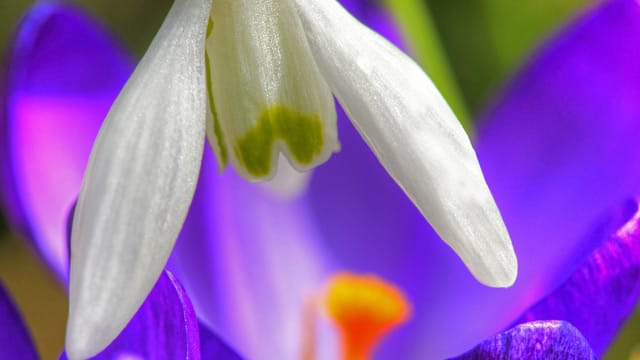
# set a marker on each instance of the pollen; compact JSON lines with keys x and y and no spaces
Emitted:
{"x":365,"y":309}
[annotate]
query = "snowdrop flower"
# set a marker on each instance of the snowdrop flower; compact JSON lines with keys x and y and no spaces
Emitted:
{"x":229,"y":247}
{"x":262,"y":87}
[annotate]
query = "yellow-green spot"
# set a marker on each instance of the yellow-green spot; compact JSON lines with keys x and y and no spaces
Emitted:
{"x":302,"y":134}
{"x":209,"y":27}
{"x":217,"y":129}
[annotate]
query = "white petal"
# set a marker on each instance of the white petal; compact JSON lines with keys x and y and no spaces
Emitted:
{"x":139,"y":182}
{"x":288,"y":183}
{"x":414,"y":134}
{"x":268,"y":94}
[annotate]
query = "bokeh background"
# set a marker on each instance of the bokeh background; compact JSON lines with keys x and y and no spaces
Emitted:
{"x":482,"y":42}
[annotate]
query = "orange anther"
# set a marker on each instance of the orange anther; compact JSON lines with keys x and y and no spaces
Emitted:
{"x":365,"y":308}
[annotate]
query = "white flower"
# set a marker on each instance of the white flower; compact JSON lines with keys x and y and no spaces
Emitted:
{"x":259,"y":75}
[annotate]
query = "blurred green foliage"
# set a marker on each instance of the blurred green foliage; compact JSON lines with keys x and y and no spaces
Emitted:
{"x":133,"y":21}
{"x":479,"y":44}
{"x":628,"y":340}
{"x":486,"y":40}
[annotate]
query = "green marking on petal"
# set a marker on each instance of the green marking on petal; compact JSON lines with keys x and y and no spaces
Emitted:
{"x":209,"y":27}
{"x":217,"y":129}
{"x":302,"y":134}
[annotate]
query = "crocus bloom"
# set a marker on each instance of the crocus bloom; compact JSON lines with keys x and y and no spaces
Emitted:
{"x":232,"y":254}
{"x":263,"y":76}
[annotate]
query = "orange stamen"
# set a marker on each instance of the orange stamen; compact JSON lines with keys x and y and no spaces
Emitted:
{"x":365,"y":309}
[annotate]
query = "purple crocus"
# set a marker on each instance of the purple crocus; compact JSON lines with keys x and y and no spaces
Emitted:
{"x":248,"y":257}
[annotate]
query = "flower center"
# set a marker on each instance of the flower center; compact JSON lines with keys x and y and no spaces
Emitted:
{"x":365,"y":309}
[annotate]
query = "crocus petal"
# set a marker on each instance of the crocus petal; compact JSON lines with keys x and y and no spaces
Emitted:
{"x":534,"y":341}
{"x":15,"y":342}
{"x":212,"y":347}
{"x":414,"y":134}
{"x":139,"y":182}
{"x":573,"y":152}
{"x":64,"y":71}
{"x":267,"y":92}
{"x":165,"y":327}
{"x":603,"y":292}
{"x":249,"y":258}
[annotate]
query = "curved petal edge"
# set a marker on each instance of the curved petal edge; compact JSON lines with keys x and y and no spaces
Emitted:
{"x":534,"y":340}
